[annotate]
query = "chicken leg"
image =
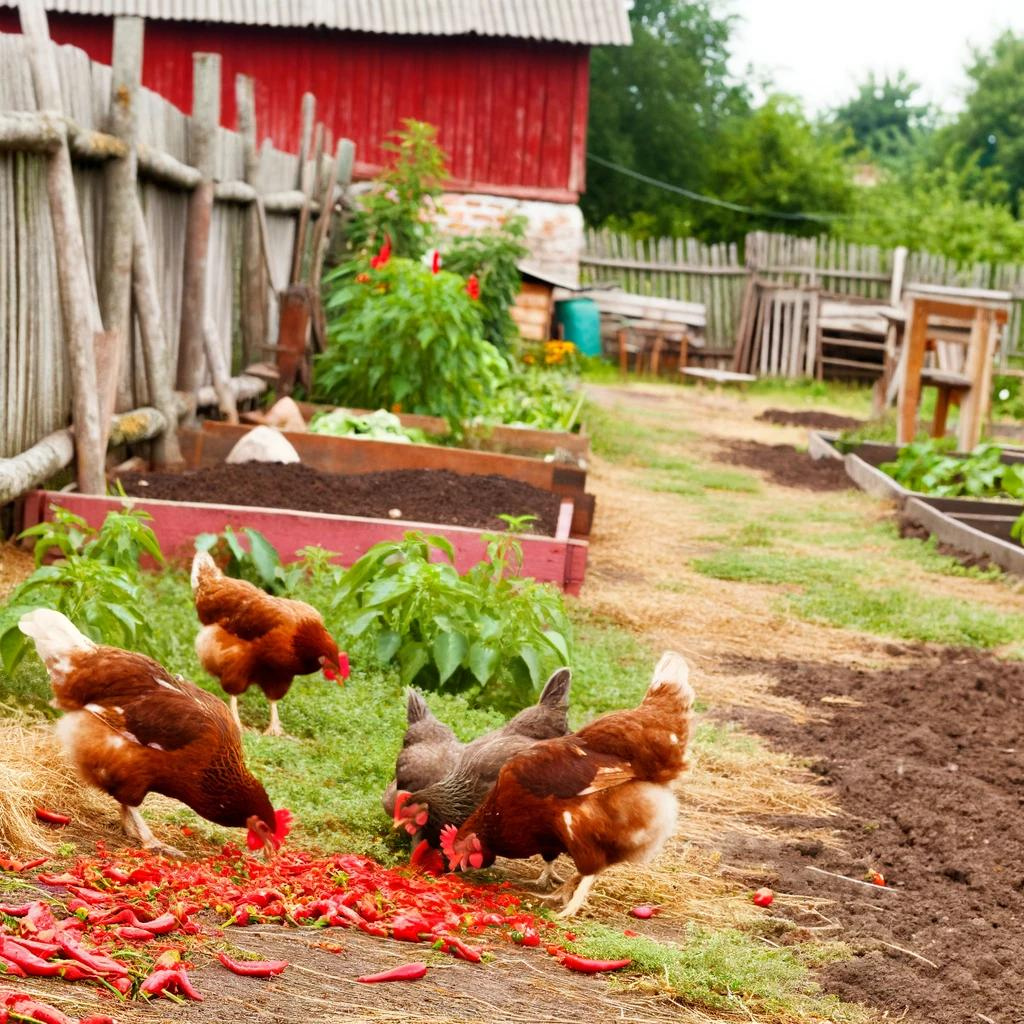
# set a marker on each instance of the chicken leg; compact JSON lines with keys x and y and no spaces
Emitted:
{"x":579,"y":897}
{"x":547,"y":876}
{"x":234,"y":712}
{"x":274,"y":729}
{"x":135,"y":827}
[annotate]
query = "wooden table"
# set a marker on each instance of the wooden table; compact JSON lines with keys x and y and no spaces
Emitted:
{"x":657,"y":341}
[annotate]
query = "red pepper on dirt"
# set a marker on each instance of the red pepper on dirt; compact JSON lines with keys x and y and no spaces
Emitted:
{"x":644,"y":911}
{"x":52,"y":817}
{"x":629,"y":933}
{"x":9,"y":864}
{"x":92,"y":896}
{"x":97,"y":1018}
{"x":43,"y":949}
{"x":130,"y":934}
{"x":764,"y":897}
{"x":24,"y":1005}
{"x":14,"y":911}
{"x":160,"y":925}
{"x":122,"y":984}
{"x":454,"y":945}
{"x":253,"y":968}
{"x":98,"y":962}
{"x":116,"y":875}
{"x":26,"y":959}
{"x":876,"y":878}
{"x":160,"y":982}
{"x":10,"y":967}
{"x":580,"y":963}
{"x":58,"y":881}
{"x":407,"y":972}
{"x":526,"y":937}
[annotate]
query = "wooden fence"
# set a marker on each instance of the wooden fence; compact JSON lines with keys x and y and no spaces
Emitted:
{"x":264,"y":204}
{"x":716,"y":275}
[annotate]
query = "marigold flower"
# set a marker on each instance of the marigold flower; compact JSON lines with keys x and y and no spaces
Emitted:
{"x":362,"y":278}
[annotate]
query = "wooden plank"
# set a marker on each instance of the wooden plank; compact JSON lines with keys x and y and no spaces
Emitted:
{"x":115,"y":269}
{"x":177,"y":524}
{"x":202,"y":135}
{"x":915,"y":339}
{"x":81,"y":316}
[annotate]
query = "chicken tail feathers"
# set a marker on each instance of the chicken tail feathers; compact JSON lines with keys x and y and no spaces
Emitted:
{"x":556,"y":690}
{"x":202,"y":565}
{"x":416,"y":709}
{"x":672,"y":673}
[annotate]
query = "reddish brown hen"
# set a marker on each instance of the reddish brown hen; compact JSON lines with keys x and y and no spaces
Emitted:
{"x":249,"y":637}
{"x":132,"y":728}
{"x":602,"y":795}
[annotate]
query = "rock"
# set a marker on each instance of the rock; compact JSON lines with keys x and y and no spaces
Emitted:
{"x":395,"y":513}
{"x":284,"y":414}
{"x":263,"y":444}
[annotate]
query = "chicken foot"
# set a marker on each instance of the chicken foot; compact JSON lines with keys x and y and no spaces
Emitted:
{"x":547,"y":877}
{"x":572,"y":893}
{"x":274,"y":729}
{"x":234,"y":712}
{"x":136,"y":828}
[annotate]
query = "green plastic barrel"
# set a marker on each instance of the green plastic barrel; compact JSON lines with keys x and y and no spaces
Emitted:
{"x":580,"y":321}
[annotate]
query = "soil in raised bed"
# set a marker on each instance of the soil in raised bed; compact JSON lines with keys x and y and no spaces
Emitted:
{"x":809,"y":418}
{"x":787,"y":466}
{"x":424,"y":495}
{"x":926,"y":760}
{"x":915,"y":531}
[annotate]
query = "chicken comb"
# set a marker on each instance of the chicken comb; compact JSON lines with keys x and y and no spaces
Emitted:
{"x":401,"y":798}
{"x":448,"y":834}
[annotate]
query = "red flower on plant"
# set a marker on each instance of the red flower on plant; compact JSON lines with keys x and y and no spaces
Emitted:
{"x":383,"y":254}
{"x":363,"y":278}
{"x":435,"y":263}
{"x":473,"y":287}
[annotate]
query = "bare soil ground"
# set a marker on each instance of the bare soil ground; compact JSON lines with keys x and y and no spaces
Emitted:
{"x":784,"y":465}
{"x":924,"y":758}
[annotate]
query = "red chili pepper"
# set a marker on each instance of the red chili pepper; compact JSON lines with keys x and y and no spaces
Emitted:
{"x":58,"y":881}
{"x":12,"y":911}
{"x":629,"y":933}
{"x":130,"y":934}
{"x":92,"y":896}
{"x":763,"y":898}
{"x":43,"y":949}
{"x":97,"y":1018}
{"x":161,"y":981}
{"x":122,"y":984}
{"x":473,"y":287}
{"x":644,"y":911}
{"x":580,"y":963}
{"x":9,"y":864}
{"x":98,"y":962}
{"x":116,"y":875}
{"x":458,"y":948}
{"x":10,"y":967}
{"x":407,"y":972}
{"x":161,"y":925}
{"x":24,"y":1005}
{"x":527,"y":937}
{"x":253,"y":968}
{"x":52,"y":817}
{"x":26,"y":959}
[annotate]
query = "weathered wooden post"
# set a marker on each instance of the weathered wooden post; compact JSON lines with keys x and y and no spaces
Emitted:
{"x":81,"y":317}
{"x":115,"y":284}
{"x":202,"y":138}
{"x":166,"y":450}
{"x":254,"y":277}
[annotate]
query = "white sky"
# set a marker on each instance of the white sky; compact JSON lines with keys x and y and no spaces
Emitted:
{"x":820,"y":49}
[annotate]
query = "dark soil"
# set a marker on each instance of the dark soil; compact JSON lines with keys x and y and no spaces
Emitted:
{"x":810,"y":418}
{"x":787,"y":466}
{"x":424,"y":495}
{"x":928,"y":768}
{"x":915,"y":531}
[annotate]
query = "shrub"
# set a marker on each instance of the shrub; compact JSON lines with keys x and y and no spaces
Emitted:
{"x":95,"y":584}
{"x":488,"y":633}
{"x":403,"y":336}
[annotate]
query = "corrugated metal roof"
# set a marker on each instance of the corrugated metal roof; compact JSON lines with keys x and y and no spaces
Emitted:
{"x":590,"y":22}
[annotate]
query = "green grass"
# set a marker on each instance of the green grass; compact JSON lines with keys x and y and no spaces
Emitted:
{"x":853,"y":594}
{"x":723,"y":969}
{"x":851,"y":398}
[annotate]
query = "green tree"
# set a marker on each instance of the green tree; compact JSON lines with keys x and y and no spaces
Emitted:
{"x":773,"y":159}
{"x":991,"y":127}
{"x":882,"y":118}
{"x":657,"y":107}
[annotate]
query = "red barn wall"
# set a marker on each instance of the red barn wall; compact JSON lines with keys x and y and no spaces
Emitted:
{"x":511,"y":114}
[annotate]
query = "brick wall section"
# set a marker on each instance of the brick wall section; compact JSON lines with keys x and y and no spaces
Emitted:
{"x":554,"y":232}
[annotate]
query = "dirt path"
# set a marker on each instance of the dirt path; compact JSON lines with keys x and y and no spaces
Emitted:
{"x":915,"y":750}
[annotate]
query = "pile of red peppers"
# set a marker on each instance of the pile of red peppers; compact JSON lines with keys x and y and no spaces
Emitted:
{"x":152,"y":904}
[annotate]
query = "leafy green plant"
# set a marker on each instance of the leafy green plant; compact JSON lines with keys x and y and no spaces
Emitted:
{"x":375,"y":426}
{"x":403,"y":336}
{"x":95,"y":583}
{"x":487,"y":633}
{"x":493,"y":258}
{"x":260,"y":565}
{"x":931,"y":467}
{"x":537,"y":397}
{"x":395,"y":207}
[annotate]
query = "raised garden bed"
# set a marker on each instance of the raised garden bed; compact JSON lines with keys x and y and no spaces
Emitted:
{"x":497,"y":438}
{"x":210,"y":446}
{"x":558,"y":559}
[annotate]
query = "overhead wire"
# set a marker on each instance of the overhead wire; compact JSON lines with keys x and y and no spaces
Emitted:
{"x":725,"y":204}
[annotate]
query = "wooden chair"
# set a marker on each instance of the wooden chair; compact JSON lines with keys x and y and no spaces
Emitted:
{"x":932,"y":322}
